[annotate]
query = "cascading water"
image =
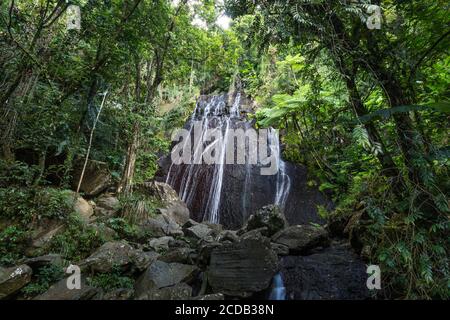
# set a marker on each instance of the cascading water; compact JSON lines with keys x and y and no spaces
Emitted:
{"x":225,"y":193}
{"x":213,"y":114}
{"x":228,"y":193}
{"x":278,"y":290}
{"x":283,"y":180}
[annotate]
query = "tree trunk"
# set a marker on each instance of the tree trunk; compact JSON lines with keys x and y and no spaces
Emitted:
{"x":126,"y":182}
{"x":385,"y":158}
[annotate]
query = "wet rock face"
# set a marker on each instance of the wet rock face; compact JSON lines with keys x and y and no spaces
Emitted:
{"x":244,"y":189}
{"x":334,"y":273}
{"x":242,"y":268}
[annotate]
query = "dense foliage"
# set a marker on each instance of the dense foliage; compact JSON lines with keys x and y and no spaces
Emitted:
{"x":367,"y":110}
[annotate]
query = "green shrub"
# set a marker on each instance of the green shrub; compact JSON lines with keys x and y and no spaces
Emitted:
{"x":17,"y":173}
{"x":136,"y":207}
{"x":43,"y":279}
{"x":77,"y":241}
{"x":12,"y":244}
{"x":24,"y":205}
{"x":111,"y":281}
{"x":411,"y":248}
{"x":127,"y":230}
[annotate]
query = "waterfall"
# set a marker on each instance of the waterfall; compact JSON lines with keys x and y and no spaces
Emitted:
{"x":283,"y":183}
{"x":278,"y":290}
{"x":220,"y":192}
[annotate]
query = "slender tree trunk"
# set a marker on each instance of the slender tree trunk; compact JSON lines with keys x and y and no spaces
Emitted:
{"x":126,"y":182}
{"x":90,"y":142}
{"x":42,"y":159}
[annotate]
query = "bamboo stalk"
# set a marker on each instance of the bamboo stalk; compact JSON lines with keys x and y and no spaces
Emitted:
{"x":90,"y":142}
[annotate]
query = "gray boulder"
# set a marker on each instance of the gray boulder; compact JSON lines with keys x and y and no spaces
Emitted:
{"x":83,"y":208}
{"x":118,"y":254}
{"x":302,"y":238}
{"x":335,"y":273}
{"x":270,"y":217}
{"x":242,"y":268}
{"x":210,"y":297}
{"x":160,"y":244}
{"x":160,"y":226}
{"x":13,"y":279}
{"x":179,"y":291}
{"x":117,"y":294}
{"x":172,"y":206}
{"x":96,"y":177}
{"x":161,"y":274}
{"x":180,"y":255}
{"x":280,"y":249}
{"x":60,"y":291}
{"x":45,"y":260}
{"x":41,"y":234}
{"x":106,"y":205}
{"x":105,"y":232}
{"x":228,"y":235}
{"x":199,"y":231}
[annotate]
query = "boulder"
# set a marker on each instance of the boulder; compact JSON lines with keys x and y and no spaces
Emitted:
{"x":178,"y":243}
{"x":180,"y":255}
{"x":255,"y":233}
{"x":335,"y":273}
{"x":106,"y":205}
{"x":105,"y":232}
{"x":60,"y":291}
{"x":160,"y":226}
{"x":280,"y":249}
{"x":13,"y":279}
{"x":42,"y":232}
{"x":190,"y":223}
{"x":118,"y":254}
{"x":172,"y":206}
{"x":96,"y":177}
{"x":210,"y":297}
{"x":83,"y":208}
{"x":242,"y":268}
{"x":199,"y":231}
{"x":302,"y":238}
{"x":228,"y":235}
{"x":160,"y":244}
{"x":161,"y":274}
{"x":110,"y":255}
{"x":41,"y":261}
{"x":117,"y":294}
{"x":179,"y":291}
{"x":204,"y":252}
{"x":270,"y":217}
